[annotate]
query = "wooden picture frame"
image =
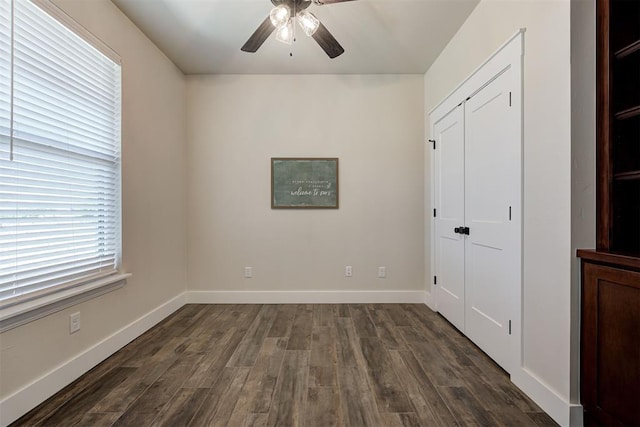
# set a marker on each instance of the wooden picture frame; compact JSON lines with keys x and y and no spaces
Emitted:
{"x":304,"y":183}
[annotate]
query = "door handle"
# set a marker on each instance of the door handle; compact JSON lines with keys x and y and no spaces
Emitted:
{"x":461,"y":230}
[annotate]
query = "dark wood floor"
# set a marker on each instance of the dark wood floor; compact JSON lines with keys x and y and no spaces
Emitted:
{"x":294,"y":365}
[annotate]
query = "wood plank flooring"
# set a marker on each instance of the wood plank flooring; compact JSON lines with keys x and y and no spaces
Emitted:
{"x":294,"y":365}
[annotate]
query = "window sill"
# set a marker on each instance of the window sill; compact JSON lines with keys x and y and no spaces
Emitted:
{"x":20,"y":314}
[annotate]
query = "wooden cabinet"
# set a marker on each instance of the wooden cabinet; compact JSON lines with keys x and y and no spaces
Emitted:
{"x":610,"y":344}
{"x":610,"y":317}
{"x":618,"y":126}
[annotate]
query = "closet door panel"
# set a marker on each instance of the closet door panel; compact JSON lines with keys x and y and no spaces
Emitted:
{"x":449,"y":200}
{"x":491,"y":133}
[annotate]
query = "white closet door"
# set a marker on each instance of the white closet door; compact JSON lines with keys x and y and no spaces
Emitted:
{"x":492,"y":159}
{"x":449,"y":199}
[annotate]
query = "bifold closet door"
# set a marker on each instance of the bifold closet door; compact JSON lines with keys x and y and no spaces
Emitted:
{"x":449,"y":198}
{"x":476,"y":234}
{"x":492,"y":170}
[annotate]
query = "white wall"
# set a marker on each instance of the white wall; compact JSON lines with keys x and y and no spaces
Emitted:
{"x":583,"y":155}
{"x":154,"y":207}
{"x":546,"y":334}
{"x":373,"y":124}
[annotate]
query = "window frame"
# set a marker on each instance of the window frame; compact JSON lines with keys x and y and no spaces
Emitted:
{"x":32,"y":306}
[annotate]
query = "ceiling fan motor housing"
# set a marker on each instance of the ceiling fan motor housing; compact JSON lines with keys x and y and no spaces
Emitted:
{"x":293,"y":4}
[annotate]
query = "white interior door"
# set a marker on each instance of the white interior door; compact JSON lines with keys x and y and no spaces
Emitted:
{"x":449,"y":199}
{"x":492,"y":160}
{"x":477,"y":184}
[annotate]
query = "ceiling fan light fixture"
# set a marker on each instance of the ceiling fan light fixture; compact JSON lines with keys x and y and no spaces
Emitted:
{"x":284,"y":33}
{"x":280,"y":16}
{"x":281,"y":21}
{"x":308,"y":22}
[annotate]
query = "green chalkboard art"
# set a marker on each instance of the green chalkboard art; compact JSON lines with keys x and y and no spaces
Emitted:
{"x":304,"y":183}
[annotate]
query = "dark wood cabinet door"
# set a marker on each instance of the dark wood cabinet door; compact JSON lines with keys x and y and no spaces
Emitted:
{"x":610,"y":345}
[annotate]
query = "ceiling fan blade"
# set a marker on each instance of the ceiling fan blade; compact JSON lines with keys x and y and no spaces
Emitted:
{"x":327,"y":42}
{"x":259,"y":36}
{"x":322,"y":2}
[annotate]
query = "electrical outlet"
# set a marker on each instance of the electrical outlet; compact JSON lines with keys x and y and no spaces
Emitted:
{"x":348,"y":271}
{"x":74,"y":322}
{"x":382,"y":272}
{"x":248,"y":272}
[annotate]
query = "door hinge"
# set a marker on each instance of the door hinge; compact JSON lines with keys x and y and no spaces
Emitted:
{"x":433,"y":141}
{"x":434,"y":213}
{"x":509,"y":327}
{"x":435,"y":280}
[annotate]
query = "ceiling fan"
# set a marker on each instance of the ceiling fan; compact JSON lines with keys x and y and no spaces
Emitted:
{"x":281,"y":20}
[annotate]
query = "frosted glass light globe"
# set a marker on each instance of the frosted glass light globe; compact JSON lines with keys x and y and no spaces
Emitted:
{"x":284,"y":33}
{"x":308,"y":22}
{"x":280,"y":15}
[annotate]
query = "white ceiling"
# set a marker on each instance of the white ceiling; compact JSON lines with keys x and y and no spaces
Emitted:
{"x":379,"y":36}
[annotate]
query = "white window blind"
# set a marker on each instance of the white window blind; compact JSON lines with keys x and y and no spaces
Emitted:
{"x":5,"y":75}
{"x":59,"y":156}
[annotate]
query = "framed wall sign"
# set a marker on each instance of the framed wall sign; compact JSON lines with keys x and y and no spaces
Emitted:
{"x":304,"y":183}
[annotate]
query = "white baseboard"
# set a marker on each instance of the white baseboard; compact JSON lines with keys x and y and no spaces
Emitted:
{"x":30,"y":396}
{"x":576,"y":415}
{"x":563,"y":412}
{"x":304,"y":297}
{"x":22,"y":401}
{"x":428,"y":301}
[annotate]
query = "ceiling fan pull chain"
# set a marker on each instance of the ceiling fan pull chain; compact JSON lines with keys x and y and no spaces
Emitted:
{"x":294,"y":30}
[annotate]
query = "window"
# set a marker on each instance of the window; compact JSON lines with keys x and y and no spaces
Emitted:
{"x":59,"y":155}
